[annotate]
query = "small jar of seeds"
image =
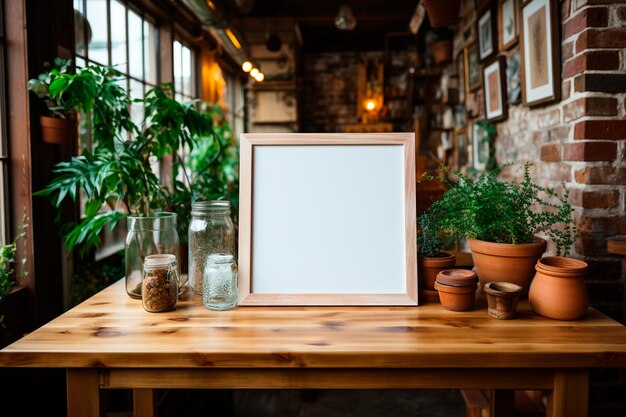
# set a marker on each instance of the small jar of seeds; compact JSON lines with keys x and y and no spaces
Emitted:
{"x":159,"y":287}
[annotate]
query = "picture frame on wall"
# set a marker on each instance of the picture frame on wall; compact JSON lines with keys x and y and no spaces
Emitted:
{"x":480,"y":147}
{"x":487,"y":34}
{"x":460,"y":69}
{"x":496,"y":102}
{"x":460,"y":148}
{"x":508,"y":23}
{"x":540,"y":52}
{"x":473,"y":75}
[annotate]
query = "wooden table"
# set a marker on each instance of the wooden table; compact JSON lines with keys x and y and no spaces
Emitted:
{"x":109,"y":342}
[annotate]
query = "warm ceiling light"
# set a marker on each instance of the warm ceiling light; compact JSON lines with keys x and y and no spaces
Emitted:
{"x":210,"y":4}
{"x":259,"y":77}
{"x":232,"y":38}
{"x":246,"y":66}
{"x":370,"y":104}
{"x":254,"y":72}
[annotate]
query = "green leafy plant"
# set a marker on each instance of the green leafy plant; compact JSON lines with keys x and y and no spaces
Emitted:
{"x":490,"y":209}
{"x":41,"y":87}
{"x":429,"y":235}
{"x":7,"y":263}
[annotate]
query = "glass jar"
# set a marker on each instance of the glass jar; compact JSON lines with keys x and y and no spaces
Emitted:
{"x":219,"y":290}
{"x":159,"y":287}
{"x":211,"y":231}
{"x":148,"y":236}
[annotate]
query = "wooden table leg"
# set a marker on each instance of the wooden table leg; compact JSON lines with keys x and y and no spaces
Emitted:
{"x":84,"y":398}
{"x":570,"y":394}
{"x":502,"y":402}
{"x":144,"y":402}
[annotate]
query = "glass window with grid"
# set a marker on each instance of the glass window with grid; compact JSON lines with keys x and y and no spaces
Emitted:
{"x":4,"y":158}
{"x":110,"y":32}
{"x":184,"y":83}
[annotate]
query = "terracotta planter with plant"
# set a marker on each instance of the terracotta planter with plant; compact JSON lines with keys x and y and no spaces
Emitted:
{"x":58,"y":131}
{"x":431,"y":260}
{"x":501,"y":219}
{"x":442,"y":13}
{"x":558,"y":290}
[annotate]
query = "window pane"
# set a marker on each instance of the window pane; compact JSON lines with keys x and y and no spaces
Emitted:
{"x":135,"y":45}
{"x":186,"y":58}
{"x":97,"y":20}
{"x":80,"y":62}
{"x":80,"y":24}
{"x":178,"y":70}
{"x":150,"y":36}
{"x":118,"y":36}
{"x":136,"y":109}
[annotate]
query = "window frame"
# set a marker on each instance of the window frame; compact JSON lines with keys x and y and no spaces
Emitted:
{"x":5,"y":159}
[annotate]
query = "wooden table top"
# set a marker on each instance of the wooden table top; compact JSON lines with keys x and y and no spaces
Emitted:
{"x":112,"y":330}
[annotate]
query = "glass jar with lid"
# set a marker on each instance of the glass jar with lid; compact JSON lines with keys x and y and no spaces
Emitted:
{"x":219,"y":291}
{"x":211,"y":231}
{"x":159,"y":287}
{"x":149,"y":235}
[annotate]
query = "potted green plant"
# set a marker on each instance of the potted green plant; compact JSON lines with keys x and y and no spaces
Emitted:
{"x":501,"y":220}
{"x":431,"y":259}
{"x":7,"y":264}
{"x":59,"y":127}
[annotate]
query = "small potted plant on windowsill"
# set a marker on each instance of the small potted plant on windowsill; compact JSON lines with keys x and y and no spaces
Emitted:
{"x":431,"y":258}
{"x":501,"y":220}
{"x":59,"y":127}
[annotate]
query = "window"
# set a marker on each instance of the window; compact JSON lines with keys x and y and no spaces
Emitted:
{"x":4,"y":159}
{"x":108,"y":32}
{"x":184,"y":80}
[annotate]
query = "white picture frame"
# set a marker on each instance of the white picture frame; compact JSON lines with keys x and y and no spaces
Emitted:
{"x":327,"y":219}
{"x":486,"y":34}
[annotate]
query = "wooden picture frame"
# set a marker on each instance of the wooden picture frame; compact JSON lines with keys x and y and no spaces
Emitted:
{"x":540,"y":54}
{"x":487,"y":31}
{"x":508,"y":23}
{"x":461,"y":142}
{"x":480,"y":147}
{"x":460,"y":70}
{"x":496,"y":101}
{"x":311,"y":229}
{"x":473,"y":74}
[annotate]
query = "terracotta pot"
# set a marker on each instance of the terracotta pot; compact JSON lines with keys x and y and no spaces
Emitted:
{"x":57,"y":131}
{"x":457,"y":289}
{"x":442,"y":13}
{"x":506,"y":262}
{"x":502,"y":298}
{"x":442,"y":51}
{"x":558,"y":290}
{"x":428,"y":268}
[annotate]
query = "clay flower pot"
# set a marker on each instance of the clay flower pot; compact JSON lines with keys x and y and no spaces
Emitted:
{"x":502,"y":298}
{"x":442,"y":13}
{"x":57,"y":131}
{"x":428,"y":268}
{"x":506,"y":262}
{"x":558,"y":290}
{"x":457,"y":289}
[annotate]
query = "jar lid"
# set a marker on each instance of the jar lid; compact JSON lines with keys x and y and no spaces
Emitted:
{"x":457,"y":277}
{"x":220,"y":258}
{"x":161,"y":259}
{"x":211,"y":205}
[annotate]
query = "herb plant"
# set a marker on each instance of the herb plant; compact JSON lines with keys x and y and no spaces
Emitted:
{"x":429,"y":235}
{"x":494,"y":210}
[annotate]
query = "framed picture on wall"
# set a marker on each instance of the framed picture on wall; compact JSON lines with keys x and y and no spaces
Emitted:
{"x":507,"y":23}
{"x":487,"y":34}
{"x":460,"y":69}
{"x":460,"y":148}
{"x":472,"y":68}
{"x":496,"y":103}
{"x":480,"y":147}
{"x":540,"y":52}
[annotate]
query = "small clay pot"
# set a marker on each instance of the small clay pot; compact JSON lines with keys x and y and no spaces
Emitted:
{"x":502,"y":298}
{"x":558,"y":290}
{"x":457,"y":289}
{"x":428,"y":268}
{"x":58,"y":131}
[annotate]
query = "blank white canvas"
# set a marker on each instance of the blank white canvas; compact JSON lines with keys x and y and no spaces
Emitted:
{"x":328,"y":219}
